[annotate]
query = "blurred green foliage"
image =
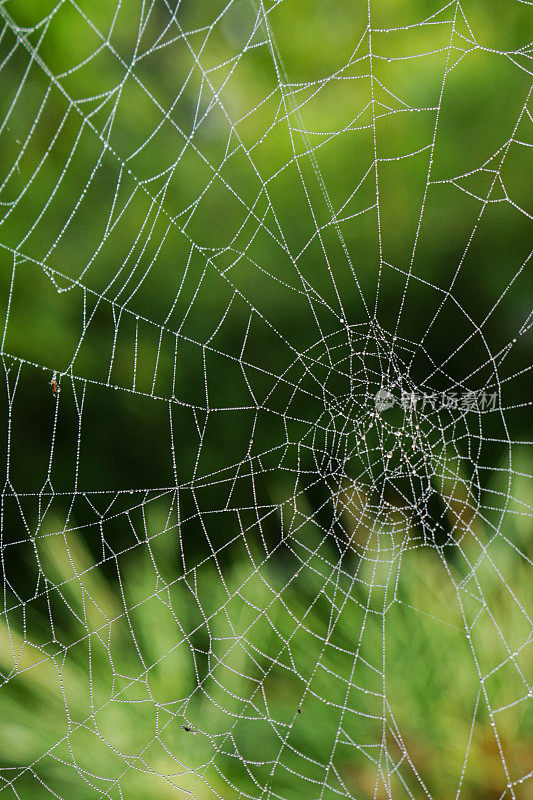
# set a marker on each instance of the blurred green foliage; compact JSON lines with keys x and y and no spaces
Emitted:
{"x":148,"y":189}
{"x":126,"y":718}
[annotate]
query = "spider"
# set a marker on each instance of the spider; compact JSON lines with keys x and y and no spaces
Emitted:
{"x":189,"y":728}
{"x":53,"y":383}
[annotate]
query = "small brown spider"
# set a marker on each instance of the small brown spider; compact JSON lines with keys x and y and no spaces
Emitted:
{"x":189,"y":728}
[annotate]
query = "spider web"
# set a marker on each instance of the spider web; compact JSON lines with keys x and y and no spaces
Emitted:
{"x":266,"y":528}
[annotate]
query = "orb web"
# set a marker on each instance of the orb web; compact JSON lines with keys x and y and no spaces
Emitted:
{"x":266,"y":513}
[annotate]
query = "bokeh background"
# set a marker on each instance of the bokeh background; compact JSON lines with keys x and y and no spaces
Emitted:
{"x":203,"y":207}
